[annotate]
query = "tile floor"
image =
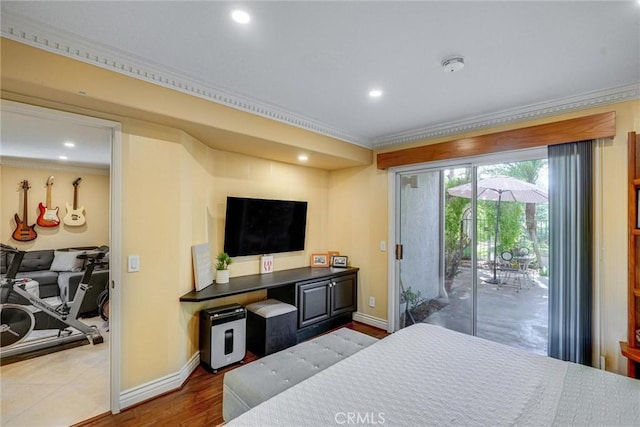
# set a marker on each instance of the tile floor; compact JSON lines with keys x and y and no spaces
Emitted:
{"x":57,"y":389}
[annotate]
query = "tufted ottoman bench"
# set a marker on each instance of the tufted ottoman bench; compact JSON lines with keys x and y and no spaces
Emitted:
{"x":252,"y":384}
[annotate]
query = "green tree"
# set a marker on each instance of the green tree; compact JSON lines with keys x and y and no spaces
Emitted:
{"x":456,"y":239}
{"x":529,"y":171}
{"x":509,"y":228}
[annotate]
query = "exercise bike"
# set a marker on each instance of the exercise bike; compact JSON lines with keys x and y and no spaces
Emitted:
{"x":23,"y":311}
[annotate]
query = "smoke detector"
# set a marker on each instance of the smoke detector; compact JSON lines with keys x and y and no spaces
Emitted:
{"x":452,"y":65}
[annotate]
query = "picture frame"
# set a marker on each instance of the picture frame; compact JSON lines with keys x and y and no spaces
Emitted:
{"x":202,"y":266}
{"x":331,"y":255}
{"x":266,"y":264}
{"x":339,"y":261}
{"x":320,"y":259}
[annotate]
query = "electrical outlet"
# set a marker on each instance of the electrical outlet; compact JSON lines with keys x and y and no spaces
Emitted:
{"x":372,"y":301}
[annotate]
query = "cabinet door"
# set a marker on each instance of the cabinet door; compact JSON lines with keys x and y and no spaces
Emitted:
{"x":343,"y":295}
{"x":313,"y":302}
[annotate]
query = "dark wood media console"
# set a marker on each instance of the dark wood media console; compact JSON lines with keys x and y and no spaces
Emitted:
{"x":325,"y":297}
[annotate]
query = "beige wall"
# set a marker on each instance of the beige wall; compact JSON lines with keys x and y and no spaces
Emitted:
{"x":93,"y":194}
{"x":175,"y":190}
{"x":358,"y":223}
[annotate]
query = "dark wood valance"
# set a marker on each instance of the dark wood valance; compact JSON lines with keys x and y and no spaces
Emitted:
{"x":582,"y":128}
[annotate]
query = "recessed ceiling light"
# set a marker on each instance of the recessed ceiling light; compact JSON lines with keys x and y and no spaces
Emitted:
{"x":303,"y":157}
{"x":62,"y":157}
{"x":375,"y":93}
{"x":69,"y":144}
{"x":240,"y":16}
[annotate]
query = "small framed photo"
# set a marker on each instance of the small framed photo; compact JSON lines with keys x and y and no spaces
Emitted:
{"x":339,"y":261}
{"x":320,"y":260}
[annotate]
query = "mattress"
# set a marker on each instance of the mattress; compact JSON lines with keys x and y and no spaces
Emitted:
{"x":427,"y":375}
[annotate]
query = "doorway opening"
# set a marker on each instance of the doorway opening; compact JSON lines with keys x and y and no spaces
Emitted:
{"x":34,"y":144}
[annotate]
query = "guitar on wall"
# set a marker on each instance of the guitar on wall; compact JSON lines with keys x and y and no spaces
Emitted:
{"x":24,"y":232}
{"x":48,"y":217}
{"x":75,"y":215}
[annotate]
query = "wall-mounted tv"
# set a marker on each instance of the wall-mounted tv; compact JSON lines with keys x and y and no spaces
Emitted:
{"x":260,"y":226}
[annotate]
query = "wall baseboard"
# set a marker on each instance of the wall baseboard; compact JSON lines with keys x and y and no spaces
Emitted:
{"x":159,"y":386}
{"x":370,"y":320}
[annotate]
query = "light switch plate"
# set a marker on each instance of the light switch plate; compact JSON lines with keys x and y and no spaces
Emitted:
{"x":134,"y":263}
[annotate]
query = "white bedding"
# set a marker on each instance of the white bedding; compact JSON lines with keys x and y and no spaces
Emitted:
{"x":425,"y":375}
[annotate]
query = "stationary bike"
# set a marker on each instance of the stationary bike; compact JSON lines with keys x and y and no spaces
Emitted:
{"x":23,"y":311}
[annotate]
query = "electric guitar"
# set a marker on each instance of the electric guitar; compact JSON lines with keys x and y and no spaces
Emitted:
{"x":24,"y":232}
{"x":48,"y":217}
{"x":74,"y":216}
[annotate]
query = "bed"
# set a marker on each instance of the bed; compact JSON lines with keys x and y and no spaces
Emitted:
{"x":428,"y":375}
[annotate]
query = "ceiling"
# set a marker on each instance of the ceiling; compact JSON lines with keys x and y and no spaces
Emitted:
{"x":30,"y":136}
{"x":312,"y":64}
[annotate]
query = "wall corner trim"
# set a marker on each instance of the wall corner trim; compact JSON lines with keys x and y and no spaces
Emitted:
{"x":370,"y":320}
{"x":159,"y":386}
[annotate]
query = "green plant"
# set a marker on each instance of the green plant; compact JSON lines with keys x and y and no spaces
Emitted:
{"x":413,"y":298}
{"x":456,"y":239}
{"x":224,"y":260}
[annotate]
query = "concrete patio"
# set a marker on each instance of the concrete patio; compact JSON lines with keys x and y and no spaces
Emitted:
{"x":506,"y":313}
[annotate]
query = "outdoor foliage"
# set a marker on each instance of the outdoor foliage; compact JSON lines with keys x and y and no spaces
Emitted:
{"x":456,"y":238}
{"x":530,"y":171}
{"x":513,"y":231}
{"x":510,"y":227}
{"x":413,"y":298}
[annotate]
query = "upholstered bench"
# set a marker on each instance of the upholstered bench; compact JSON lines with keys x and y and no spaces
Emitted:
{"x":252,"y":384}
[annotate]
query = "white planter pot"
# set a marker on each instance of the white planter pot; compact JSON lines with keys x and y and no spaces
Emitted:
{"x":222,"y":276}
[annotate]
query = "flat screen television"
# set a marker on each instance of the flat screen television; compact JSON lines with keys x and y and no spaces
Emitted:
{"x":260,"y":226}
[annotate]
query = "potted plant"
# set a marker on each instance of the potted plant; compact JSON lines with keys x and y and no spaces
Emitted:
{"x":222,"y":267}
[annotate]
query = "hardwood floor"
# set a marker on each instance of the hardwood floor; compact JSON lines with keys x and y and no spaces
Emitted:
{"x":197,"y":403}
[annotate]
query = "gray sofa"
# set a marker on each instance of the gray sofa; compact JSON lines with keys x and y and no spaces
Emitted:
{"x":36,"y":265}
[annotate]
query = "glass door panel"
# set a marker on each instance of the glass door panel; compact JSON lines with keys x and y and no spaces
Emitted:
{"x":434,"y":231}
{"x":512,"y":248}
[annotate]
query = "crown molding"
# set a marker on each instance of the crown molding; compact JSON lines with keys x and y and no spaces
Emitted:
{"x":27,"y":163}
{"x":46,"y":37}
{"x":561,"y":105}
{"x":30,"y":32}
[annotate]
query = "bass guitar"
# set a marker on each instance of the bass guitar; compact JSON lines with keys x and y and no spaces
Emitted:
{"x":75,"y":215}
{"x":24,"y":232}
{"x":48,"y":217}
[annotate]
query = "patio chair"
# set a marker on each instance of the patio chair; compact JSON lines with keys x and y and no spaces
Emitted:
{"x":517,"y":267}
{"x":506,"y":267}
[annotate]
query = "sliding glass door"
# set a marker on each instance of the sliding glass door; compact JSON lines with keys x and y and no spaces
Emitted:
{"x":435,"y":237}
{"x":473,"y":243}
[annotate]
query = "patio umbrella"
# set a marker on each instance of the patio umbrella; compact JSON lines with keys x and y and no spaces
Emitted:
{"x":501,"y":189}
